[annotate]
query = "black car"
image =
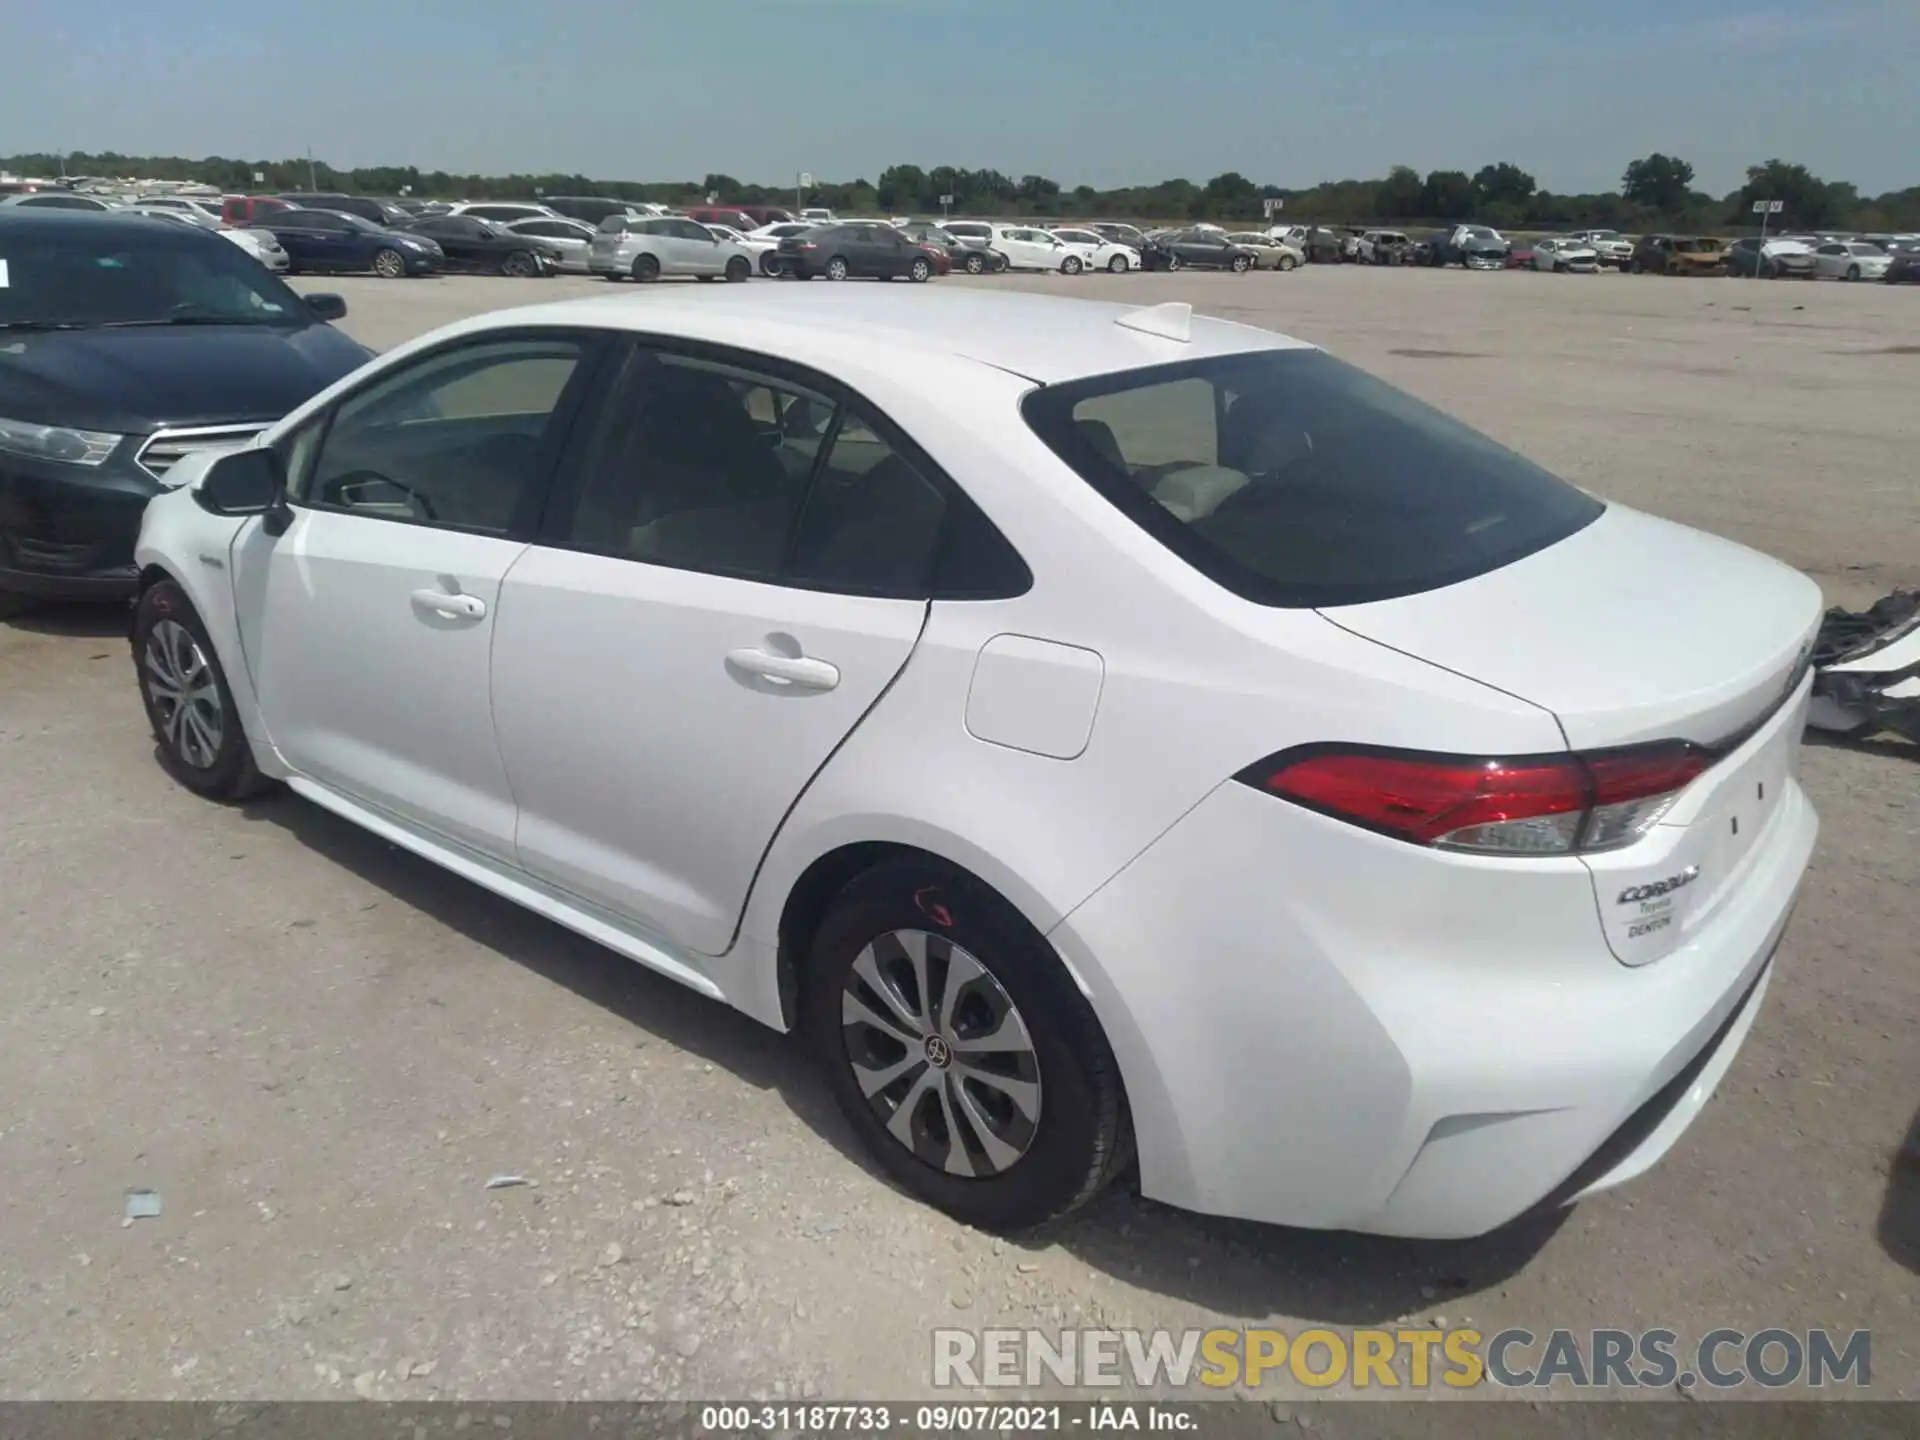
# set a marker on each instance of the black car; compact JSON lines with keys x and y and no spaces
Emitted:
{"x":847,"y":252}
{"x":1903,"y":267}
{"x":974,"y":259}
{"x":329,"y":240}
{"x":1200,"y":249}
{"x":125,"y":346}
{"x":384,"y":213}
{"x":481,"y":247}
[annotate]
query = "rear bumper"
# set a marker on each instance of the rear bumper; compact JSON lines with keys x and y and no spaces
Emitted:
{"x":1321,"y":1027}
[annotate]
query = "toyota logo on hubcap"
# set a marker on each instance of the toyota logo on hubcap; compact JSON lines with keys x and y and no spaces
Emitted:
{"x":939,"y":1052}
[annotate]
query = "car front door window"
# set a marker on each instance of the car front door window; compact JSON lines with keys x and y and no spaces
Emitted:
{"x":455,"y":441}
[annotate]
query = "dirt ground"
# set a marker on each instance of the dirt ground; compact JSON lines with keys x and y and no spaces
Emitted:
{"x":318,"y":1049}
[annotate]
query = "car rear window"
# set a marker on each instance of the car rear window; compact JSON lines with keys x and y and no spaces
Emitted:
{"x":1296,"y":480}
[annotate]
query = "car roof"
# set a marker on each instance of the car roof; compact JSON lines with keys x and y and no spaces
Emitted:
{"x":1048,"y":339}
{"x":85,"y":224}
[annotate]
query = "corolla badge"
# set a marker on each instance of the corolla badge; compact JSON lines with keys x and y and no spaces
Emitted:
{"x":1635,"y":894}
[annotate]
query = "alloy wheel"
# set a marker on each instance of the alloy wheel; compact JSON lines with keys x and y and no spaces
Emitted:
{"x":941,"y":1053}
{"x":389,"y":265}
{"x":185,"y":694}
{"x":836,"y":269}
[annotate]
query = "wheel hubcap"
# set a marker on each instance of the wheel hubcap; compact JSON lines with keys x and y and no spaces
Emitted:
{"x":940,"y":1051}
{"x":185,"y":695}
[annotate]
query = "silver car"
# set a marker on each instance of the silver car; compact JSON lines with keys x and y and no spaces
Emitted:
{"x":571,"y":239}
{"x":263,"y":245}
{"x":628,"y":247}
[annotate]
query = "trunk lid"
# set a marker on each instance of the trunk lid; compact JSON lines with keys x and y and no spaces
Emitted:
{"x":1634,"y":630}
{"x":1631,"y":629}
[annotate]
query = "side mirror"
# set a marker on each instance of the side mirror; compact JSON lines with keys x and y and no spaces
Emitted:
{"x":327,"y":307}
{"x":247,"y":482}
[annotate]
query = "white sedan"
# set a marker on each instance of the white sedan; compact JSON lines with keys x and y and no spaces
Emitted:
{"x":572,"y":240}
{"x":1560,"y":254}
{"x":1410,"y":866}
{"x":1850,"y":260}
{"x":1027,"y":247}
{"x":760,"y":247}
{"x":1108,"y":255}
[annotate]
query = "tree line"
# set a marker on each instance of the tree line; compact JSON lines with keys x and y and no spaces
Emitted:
{"x":1655,"y":192}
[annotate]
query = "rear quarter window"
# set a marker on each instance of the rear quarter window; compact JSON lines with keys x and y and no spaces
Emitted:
{"x":1296,"y":480}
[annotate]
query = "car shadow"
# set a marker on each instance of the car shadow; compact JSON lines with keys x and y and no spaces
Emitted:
{"x":1875,"y":742}
{"x":1899,"y":1228}
{"x":1234,"y":1267}
{"x":100,"y":621}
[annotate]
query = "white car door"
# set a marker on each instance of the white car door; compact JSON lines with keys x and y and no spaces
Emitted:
{"x":1024,"y":249}
{"x":705,"y":255}
{"x":368,"y":624}
{"x":683,"y":651}
{"x":1830,"y":261}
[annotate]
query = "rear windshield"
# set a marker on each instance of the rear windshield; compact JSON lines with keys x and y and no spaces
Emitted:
{"x":1294,"y":479}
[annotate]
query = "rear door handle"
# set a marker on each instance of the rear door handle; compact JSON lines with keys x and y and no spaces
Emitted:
{"x":454,"y":607}
{"x":794,"y":670}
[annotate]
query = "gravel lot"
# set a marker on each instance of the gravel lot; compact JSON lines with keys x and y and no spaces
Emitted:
{"x":318,"y":1048}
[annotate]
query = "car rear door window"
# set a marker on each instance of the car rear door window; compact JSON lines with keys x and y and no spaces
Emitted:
{"x":701,"y":463}
{"x":1293,"y":479}
{"x":457,"y":439}
{"x":697,"y":465}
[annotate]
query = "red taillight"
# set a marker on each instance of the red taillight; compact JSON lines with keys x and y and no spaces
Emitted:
{"x":1535,"y":805}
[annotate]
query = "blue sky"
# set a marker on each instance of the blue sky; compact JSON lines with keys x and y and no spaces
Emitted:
{"x":1102,"y":92}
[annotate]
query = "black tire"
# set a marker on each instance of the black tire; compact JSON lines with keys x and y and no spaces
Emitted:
{"x":1117,"y":265}
{"x":224,"y":771}
{"x":976,"y":263}
{"x":1241,"y":264}
{"x":1285,"y":262}
{"x":838,"y":269}
{"x":1071,"y":265}
{"x":1853,"y":272}
{"x":769,"y":266}
{"x":920,"y":271}
{"x":1082,"y":1139}
{"x":520,"y":264}
{"x":389,"y":264}
{"x":739,"y":268}
{"x":646,"y":268}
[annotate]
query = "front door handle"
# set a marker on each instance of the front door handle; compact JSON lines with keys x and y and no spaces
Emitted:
{"x":793,"y":670}
{"x":454,"y":607}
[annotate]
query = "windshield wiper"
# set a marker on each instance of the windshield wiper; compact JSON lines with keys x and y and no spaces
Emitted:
{"x":182,"y":320}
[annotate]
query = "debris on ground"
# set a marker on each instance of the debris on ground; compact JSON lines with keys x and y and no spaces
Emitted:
{"x":507,"y":1182}
{"x":1866,"y":668}
{"x":143,"y":1204}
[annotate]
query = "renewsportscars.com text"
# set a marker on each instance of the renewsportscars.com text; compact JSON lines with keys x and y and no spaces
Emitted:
{"x":1403,"y":1359}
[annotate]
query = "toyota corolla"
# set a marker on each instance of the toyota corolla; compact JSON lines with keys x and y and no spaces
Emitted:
{"x":1098,"y":732}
